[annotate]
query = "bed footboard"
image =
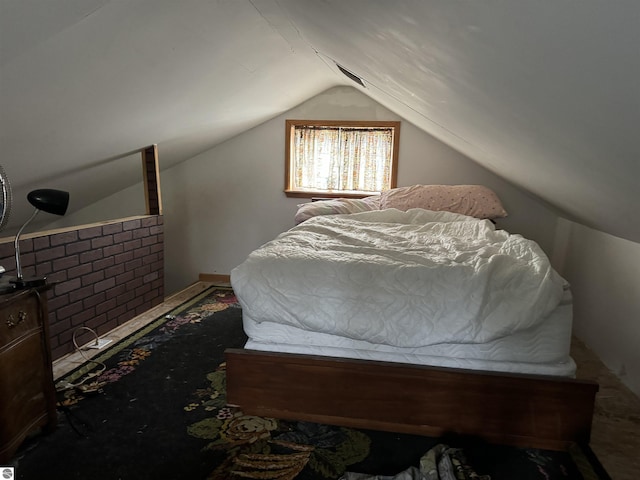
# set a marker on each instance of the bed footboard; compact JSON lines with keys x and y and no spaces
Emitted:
{"x":523,"y":410}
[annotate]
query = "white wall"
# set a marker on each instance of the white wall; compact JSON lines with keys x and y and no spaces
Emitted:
{"x":223,"y":203}
{"x":125,"y":203}
{"x":604,"y":272}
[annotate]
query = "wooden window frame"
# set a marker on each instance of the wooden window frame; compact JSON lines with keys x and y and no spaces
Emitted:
{"x":289,"y":139}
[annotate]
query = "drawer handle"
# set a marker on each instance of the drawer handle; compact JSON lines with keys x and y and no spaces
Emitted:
{"x":22,"y":316}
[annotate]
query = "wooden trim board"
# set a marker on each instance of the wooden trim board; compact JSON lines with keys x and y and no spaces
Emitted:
{"x":214,"y":278}
{"x":151,"y":180}
{"x":523,"y":410}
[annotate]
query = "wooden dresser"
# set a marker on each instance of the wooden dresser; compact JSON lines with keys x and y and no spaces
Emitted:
{"x":27,"y":392}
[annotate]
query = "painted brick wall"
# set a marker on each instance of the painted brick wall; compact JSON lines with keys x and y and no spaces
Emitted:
{"x":102,"y":275}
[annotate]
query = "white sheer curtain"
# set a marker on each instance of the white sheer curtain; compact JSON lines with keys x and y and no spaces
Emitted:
{"x":342,"y":158}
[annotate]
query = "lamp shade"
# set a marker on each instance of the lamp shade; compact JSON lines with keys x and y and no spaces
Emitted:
{"x":49,"y":200}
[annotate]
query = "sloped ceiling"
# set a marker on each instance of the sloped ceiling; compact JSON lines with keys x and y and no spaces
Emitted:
{"x":83,"y":82}
{"x":546,"y":94}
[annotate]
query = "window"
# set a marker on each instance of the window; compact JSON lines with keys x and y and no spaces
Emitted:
{"x":340,"y":158}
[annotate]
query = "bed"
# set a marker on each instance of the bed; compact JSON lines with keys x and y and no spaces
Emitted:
{"x":377,"y":292}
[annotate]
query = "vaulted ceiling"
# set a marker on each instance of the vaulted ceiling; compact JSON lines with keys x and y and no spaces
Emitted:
{"x":546,"y":94}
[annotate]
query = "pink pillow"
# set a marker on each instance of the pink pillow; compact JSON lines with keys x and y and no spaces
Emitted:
{"x":473,"y":200}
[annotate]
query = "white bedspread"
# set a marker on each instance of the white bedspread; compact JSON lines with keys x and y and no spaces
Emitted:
{"x":405,"y":279}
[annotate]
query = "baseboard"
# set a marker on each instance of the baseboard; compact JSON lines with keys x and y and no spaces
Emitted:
{"x":214,"y":278}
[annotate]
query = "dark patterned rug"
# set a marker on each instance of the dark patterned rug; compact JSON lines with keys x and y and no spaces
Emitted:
{"x":156,"y":409}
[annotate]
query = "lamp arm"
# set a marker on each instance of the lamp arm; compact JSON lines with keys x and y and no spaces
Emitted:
{"x":16,"y":244}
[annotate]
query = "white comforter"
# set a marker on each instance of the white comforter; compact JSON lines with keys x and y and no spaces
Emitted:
{"x":405,"y":279}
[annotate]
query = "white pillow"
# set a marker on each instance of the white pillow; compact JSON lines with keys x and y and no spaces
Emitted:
{"x":335,"y":206}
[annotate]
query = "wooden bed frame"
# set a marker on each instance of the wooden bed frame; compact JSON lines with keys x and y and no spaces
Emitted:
{"x":523,"y":410}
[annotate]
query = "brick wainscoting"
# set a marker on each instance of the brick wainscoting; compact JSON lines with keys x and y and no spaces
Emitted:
{"x":103,"y":274}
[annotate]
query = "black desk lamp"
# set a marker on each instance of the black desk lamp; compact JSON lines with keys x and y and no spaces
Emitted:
{"x":47,"y":200}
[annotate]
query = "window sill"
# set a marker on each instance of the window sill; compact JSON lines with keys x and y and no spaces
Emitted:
{"x":322,"y":194}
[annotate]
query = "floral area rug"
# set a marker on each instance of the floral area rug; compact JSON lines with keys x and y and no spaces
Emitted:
{"x":155,"y":408}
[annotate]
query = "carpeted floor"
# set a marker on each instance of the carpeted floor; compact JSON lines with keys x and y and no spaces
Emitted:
{"x":156,"y":410}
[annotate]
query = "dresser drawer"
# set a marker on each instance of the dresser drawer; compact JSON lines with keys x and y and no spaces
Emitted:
{"x":27,"y":393}
{"x":19,"y":317}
